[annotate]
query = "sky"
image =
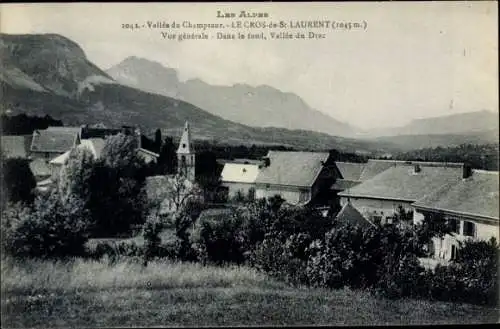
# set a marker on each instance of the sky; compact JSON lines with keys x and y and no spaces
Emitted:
{"x":413,"y":60}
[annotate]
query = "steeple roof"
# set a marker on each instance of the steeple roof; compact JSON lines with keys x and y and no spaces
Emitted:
{"x":185,"y":146}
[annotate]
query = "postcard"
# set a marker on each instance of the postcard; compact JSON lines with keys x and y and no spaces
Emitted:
{"x":253,"y":163}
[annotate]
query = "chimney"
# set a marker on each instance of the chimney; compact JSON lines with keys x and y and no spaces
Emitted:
{"x":265,"y":162}
{"x":416,"y":168}
{"x":467,"y":171}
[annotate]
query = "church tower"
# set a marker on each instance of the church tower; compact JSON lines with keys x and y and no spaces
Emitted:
{"x":185,"y":155}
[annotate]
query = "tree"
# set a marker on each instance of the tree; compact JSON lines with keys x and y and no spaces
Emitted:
{"x":158,"y":140}
{"x":54,"y":227}
{"x":17,"y":181}
{"x":167,"y":161}
{"x":75,"y":176}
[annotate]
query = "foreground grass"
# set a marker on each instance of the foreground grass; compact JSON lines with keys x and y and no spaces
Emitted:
{"x":95,"y":293}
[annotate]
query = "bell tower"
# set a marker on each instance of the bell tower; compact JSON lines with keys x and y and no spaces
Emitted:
{"x":185,"y":155}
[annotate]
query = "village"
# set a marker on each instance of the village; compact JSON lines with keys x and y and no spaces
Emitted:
{"x":365,"y":194}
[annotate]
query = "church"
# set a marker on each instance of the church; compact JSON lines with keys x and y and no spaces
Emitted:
{"x":170,"y":192}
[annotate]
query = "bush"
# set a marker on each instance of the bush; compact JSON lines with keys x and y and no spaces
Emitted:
{"x":17,"y":181}
{"x":219,"y":239}
{"x":54,"y":227}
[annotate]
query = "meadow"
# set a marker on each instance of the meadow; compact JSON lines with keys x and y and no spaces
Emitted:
{"x":81,"y":292}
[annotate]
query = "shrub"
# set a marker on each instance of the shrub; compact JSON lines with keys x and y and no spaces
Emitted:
{"x":54,"y":227}
{"x":219,"y":239}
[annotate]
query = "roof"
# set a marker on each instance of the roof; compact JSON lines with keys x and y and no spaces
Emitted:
{"x":39,"y":168}
{"x":374,"y":166}
{"x":402,"y":183}
{"x":292,"y":168}
{"x":476,"y":196}
{"x":74,"y":130}
{"x":156,"y":155}
{"x":350,"y":170}
{"x":344,"y":184}
{"x":349,"y":214}
{"x":15,"y":146}
{"x":53,"y":140}
{"x":239,"y":173}
{"x":61,"y":159}
{"x":185,"y":146}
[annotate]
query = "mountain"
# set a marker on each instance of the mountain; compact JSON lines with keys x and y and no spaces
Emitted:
{"x":50,"y":74}
{"x":413,"y":142}
{"x":461,"y":123}
{"x":261,"y":106}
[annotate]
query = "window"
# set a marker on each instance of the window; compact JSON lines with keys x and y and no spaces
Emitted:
{"x":183,"y":159}
{"x":469,"y":229}
{"x":454,"y":225}
{"x":183,"y":146}
{"x":454,"y":252}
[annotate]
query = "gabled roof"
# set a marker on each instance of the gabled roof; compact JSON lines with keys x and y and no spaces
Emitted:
{"x":344,"y":184}
{"x":76,"y":130}
{"x":185,"y":146}
{"x":15,"y":146}
{"x":239,"y":173}
{"x":475,"y":196}
{"x":54,"y":140}
{"x":402,"y":183}
{"x":349,"y":214}
{"x":351,"y":171}
{"x":292,"y":168}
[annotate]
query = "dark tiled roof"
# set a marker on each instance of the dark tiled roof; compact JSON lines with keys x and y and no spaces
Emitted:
{"x":344,"y":184}
{"x":402,"y":183}
{"x":349,"y":214}
{"x":476,"y":195}
{"x":292,"y":168}
{"x":350,"y":170}
{"x":50,"y":140}
{"x":15,"y":146}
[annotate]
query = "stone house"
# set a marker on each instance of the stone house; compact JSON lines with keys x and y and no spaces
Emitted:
{"x":298,"y":177}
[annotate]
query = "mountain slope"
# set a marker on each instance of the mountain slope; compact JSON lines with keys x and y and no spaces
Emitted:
{"x":460,"y":123}
{"x":49,"y":74}
{"x":261,"y":106}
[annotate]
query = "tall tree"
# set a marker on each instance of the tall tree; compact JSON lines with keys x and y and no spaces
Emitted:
{"x":17,"y":180}
{"x":158,"y":140}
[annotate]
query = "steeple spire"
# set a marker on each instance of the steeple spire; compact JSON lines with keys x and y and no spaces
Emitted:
{"x":185,"y":146}
{"x":185,"y":155}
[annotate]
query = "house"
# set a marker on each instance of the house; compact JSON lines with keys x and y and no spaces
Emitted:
{"x":15,"y":146}
{"x":471,"y":204}
{"x":54,"y":141}
{"x":352,"y":174}
{"x":298,"y":177}
{"x":94,"y":145}
{"x":239,"y":178}
{"x":380,"y":197}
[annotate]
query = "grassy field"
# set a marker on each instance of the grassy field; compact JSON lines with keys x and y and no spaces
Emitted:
{"x":96,"y":293}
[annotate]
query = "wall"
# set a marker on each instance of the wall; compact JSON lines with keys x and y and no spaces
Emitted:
{"x":291,"y":194}
{"x":233,"y":188}
{"x":376,"y":207}
{"x":443,"y":247}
